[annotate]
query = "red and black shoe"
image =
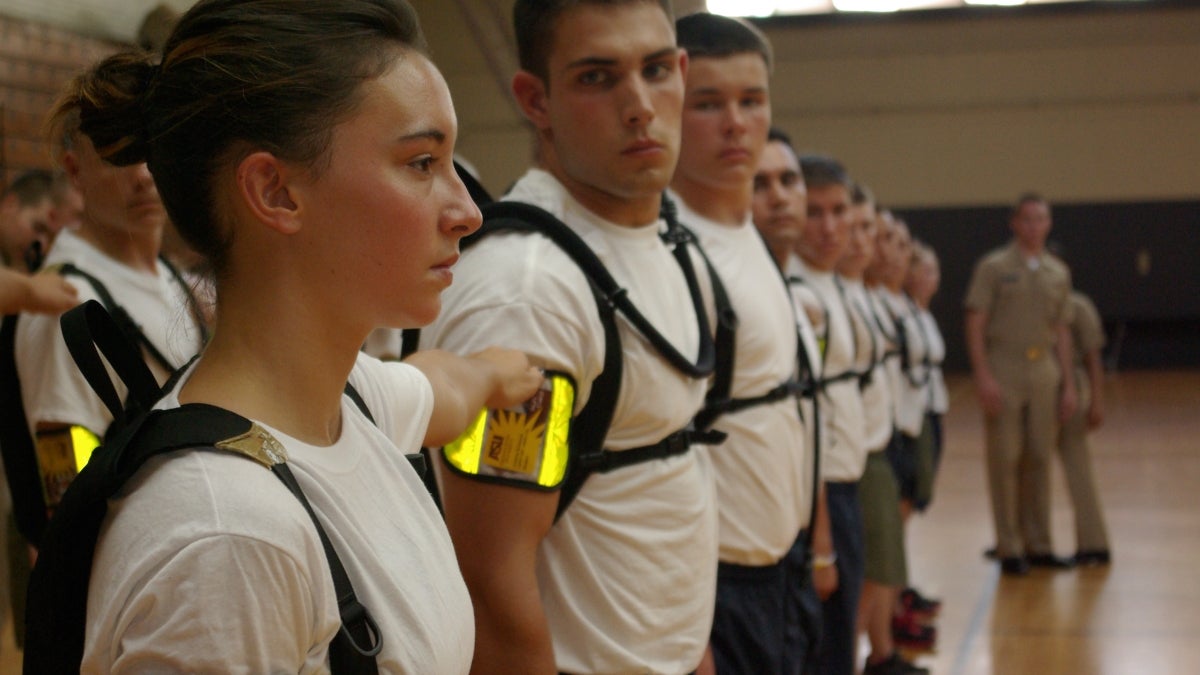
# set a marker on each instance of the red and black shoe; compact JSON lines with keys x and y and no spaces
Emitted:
{"x":908,"y":632}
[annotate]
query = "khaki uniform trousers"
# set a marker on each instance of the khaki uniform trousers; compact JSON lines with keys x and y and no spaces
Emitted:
{"x":1020,"y":441}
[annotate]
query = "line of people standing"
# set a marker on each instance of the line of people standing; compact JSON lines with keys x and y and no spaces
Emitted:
{"x":328,"y":205}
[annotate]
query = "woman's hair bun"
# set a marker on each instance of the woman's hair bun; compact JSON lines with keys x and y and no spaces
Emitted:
{"x":113,"y":101}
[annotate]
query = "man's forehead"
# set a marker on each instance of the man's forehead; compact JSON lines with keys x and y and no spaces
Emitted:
{"x":591,"y":31}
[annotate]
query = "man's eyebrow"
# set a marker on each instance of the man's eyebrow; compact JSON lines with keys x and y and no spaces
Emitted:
{"x":593,"y":61}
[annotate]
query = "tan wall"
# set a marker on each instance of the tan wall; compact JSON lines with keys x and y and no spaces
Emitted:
{"x":1084,"y":105}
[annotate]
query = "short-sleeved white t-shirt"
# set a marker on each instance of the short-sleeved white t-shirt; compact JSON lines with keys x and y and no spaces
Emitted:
{"x":845,"y":456}
{"x":763,"y":468}
{"x":628,"y":574}
{"x":52,"y":388}
{"x":207,"y":563}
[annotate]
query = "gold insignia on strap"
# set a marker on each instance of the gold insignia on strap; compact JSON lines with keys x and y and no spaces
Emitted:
{"x":257,"y":444}
{"x":1033,"y":353}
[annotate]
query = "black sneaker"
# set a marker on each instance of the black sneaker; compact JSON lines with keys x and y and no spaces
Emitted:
{"x":893,"y":665}
{"x":1093,"y":558}
{"x":912,"y":600}
{"x":1014,"y":566}
{"x":1050,"y":560}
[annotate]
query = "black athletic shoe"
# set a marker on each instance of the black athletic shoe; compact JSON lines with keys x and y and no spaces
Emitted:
{"x":1051,"y":561}
{"x":894,"y":665}
{"x":1092,"y":558}
{"x":912,"y":600}
{"x":1015,"y":566}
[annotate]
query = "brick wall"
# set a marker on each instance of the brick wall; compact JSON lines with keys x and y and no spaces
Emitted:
{"x":36,"y":60}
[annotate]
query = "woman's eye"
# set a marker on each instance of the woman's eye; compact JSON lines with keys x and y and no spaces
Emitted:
{"x":423,"y":164}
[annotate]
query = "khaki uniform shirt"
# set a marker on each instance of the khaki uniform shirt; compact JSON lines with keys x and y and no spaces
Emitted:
{"x":1087,"y":333}
{"x":1024,"y":302}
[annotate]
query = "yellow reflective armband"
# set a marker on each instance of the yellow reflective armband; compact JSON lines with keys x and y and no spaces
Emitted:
{"x":62,"y":454}
{"x":526,"y":444}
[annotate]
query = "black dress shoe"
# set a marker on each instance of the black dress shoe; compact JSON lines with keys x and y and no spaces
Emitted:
{"x":1092,"y":558}
{"x":990,"y":553}
{"x":1050,"y":560}
{"x":1014,"y":566}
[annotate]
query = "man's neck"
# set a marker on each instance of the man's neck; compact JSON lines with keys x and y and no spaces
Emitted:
{"x":727,"y":207}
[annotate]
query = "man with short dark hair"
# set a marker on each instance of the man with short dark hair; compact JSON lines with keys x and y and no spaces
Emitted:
{"x":624,"y":579}
{"x":764,"y":468}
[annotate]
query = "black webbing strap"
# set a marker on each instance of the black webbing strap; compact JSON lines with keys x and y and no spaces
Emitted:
{"x":16,"y":443}
{"x":124,"y":321}
{"x":589,"y":429}
{"x":675,"y":444}
{"x":359,"y":640}
{"x":57,"y":607}
{"x":522,"y":217}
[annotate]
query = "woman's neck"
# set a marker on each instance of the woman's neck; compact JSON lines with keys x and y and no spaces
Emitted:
{"x":282,"y":366}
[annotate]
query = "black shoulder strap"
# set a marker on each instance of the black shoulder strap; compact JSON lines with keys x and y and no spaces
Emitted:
{"x":590,"y":428}
{"x":123,"y":319}
{"x":16,"y":444}
{"x":57,"y":607}
{"x":521,"y":217}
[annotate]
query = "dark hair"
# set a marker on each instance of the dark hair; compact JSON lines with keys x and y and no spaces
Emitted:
{"x":236,"y":76}
{"x":1028,"y":198}
{"x":31,"y":187}
{"x":822,"y":171}
{"x":860,"y":194}
{"x":534,"y":22}
{"x":706,"y":35}
{"x":777,"y":134}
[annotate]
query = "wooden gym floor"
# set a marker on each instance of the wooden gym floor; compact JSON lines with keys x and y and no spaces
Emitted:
{"x":1139,"y":616}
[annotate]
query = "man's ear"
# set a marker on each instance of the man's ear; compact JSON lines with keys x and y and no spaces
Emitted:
{"x":530,"y":93}
{"x":263,"y":185}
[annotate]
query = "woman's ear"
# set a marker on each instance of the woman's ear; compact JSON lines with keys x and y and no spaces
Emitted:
{"x":530,"y":93}
{"x":263,"y":182}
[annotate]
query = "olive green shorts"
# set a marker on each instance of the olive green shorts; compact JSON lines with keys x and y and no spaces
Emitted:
{"x":883,"y":531}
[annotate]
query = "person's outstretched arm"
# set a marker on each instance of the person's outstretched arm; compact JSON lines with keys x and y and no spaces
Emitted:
{"x":42,"y":293}
{"x":465,"y":385}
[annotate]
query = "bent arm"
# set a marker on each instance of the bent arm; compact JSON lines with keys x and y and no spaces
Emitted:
{"x":464,"y":385}
{"x":496,"y":530}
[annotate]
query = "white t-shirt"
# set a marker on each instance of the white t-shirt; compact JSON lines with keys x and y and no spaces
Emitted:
{"x":207,"y":563}
{"x":628,"y":575}
{"x":845,"y":456}
{"x":939,"y":398}
{"x":52,"y":388}
{"x":804,"y":300}
{"x":763,"y":469}
{"x":913,"y":382}
{"x":878,"y":408}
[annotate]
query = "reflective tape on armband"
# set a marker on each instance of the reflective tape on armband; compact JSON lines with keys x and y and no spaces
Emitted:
{"x":526,"y":444}
{"x":61,"y":455}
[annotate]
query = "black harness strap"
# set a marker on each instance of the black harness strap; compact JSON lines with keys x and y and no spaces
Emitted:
{"x":589,"y":429}
{"x":125,"y":322}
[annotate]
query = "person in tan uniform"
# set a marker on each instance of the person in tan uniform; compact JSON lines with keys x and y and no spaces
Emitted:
{"x":1017,"y":316}
{"x":1087,"y":336}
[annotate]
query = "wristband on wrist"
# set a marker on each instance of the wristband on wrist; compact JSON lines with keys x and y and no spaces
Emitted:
{"x":820,"y":562}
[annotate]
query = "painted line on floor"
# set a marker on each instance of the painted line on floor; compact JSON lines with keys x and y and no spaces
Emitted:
{"x":983,"y":607}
